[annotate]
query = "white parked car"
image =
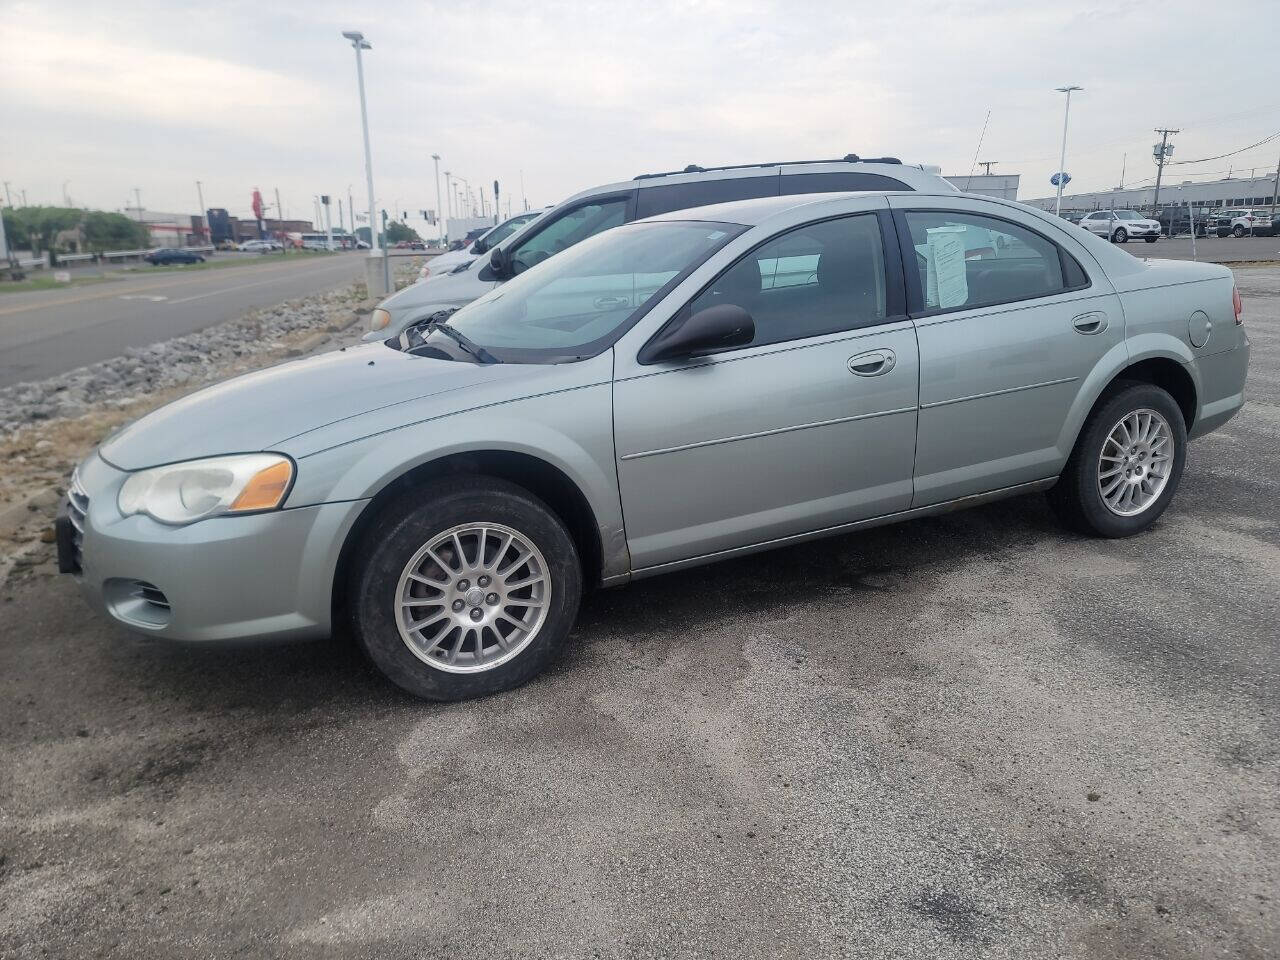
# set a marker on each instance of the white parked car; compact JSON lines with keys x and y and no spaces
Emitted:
{"x":1119,"y":225}
{"x":259,"y":246}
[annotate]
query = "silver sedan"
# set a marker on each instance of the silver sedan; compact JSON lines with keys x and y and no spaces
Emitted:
{"x":679,"y":390}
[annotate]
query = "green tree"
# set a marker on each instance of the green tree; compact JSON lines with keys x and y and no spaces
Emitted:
{"x":396,"y":232}
{"x":113,"y":231}
{"x":36,"y":227}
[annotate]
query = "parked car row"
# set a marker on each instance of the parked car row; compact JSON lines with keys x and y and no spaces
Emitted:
{"x":1121,"y":225}
{"x":625,"y":387}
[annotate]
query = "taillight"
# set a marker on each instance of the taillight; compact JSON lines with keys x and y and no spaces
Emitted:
{"x":1237,"y":306}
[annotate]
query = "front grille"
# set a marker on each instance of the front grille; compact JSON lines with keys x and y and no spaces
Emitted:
{"x":77,"y":509}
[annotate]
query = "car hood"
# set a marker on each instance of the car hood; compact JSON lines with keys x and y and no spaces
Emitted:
{"x":261,"y":410}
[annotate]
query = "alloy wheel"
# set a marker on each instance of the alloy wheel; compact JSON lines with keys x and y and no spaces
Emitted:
{"x":473,"y":597}
{"x":1135,"y":462}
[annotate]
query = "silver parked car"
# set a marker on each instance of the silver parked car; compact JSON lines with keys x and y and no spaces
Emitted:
{"x":592,"y":211}
{"x":696,"y":386}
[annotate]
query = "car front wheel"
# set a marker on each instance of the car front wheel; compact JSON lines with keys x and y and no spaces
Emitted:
{"x":1120,"y":236}
{"x":464,"y":587}
{"x":1237,"y":231}
{"x":1126,"y":464}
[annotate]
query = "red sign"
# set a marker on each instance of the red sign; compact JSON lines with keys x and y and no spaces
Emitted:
{"x":257,"y":203}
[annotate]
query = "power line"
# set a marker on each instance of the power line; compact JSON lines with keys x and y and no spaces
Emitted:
{"x":1224,"y":155}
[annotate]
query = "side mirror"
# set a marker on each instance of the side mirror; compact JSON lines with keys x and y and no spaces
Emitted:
{"x":714,"y":328}
{"x":498,"y":261}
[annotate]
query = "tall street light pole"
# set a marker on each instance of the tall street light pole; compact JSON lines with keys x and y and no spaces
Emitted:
{"x":1062,"y":160}
{"x":448,"y":191}
{"x":204,"y":215}
{"x":439,"y":212}
{"x":359,"y":43}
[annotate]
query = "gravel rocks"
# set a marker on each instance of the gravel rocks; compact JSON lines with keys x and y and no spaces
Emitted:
{"x":195,"y":358}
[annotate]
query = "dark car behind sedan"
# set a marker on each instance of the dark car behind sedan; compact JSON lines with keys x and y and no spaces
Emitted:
{"x":167,"y":255}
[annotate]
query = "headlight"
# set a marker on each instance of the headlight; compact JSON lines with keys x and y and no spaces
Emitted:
{"x":187,"y":492}
{"x":379,"y":319}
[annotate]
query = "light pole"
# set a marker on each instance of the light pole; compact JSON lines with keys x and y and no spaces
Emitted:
{"x":439,"y":212}
{"x":204,"y":217}
{"x":448,"y":191}
{"x":7,"y":201}
{"x":359,"y":43}
{"x":66,"y":197}
{"x":1062,"y":160}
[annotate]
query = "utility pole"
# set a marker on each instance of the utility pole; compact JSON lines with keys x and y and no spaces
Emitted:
{"x":328,"y":221}
{"x":204,"y":216}
{"x":496,"y":208}
{"x":1124,"y":163}
{"x":523,"y":197}
{"x":284,"y":246}
{"x":448,"y":192}
{"x":986,"y":166}
{"x":341,"y":223}
{"x":7,"y":201}
{"x":1162,"y":154}
{"x":137,"y":196}
{"x":439,"y":212}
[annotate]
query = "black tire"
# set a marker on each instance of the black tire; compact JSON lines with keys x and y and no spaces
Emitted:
{"x":1151,"y":239}
{"x":1076,"y":498}
{"x":1237,"y":231}
{"x":1120,"y":236}
{"x":410,"y":522}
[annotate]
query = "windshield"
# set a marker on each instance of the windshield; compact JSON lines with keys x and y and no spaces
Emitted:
{"x":576,"y":303}
{"x":1128,"y":215}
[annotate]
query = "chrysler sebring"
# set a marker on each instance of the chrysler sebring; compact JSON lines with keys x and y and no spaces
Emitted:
{"x":678,"y":390}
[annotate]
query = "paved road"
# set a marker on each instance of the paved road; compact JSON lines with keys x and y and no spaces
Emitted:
{"x":47,"y":332}
{"x":972,"y":736}
{"x":1225,"y":250}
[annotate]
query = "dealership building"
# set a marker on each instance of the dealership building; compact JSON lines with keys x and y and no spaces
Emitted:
{"x":1203,"y":195}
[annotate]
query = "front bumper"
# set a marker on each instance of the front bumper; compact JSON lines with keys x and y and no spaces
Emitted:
{"x":266,"y":575}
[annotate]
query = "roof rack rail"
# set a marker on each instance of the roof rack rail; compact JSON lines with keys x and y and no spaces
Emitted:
{"x":694,"y":168}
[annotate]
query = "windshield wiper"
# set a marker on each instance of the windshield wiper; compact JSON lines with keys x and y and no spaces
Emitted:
{"x":461,"y":339}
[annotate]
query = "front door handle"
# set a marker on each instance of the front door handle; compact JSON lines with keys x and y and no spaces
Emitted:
{"x":1090,"y":323}
{"x":608,"y":303}
{"x":873,"y":363}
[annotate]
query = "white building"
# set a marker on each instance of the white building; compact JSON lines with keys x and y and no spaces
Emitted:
{"x":170,"y":229}
{"x":1209,"y":195}
{"x":1002,"y":185}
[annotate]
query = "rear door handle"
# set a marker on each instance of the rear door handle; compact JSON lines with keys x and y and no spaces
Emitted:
{"x":1090,"y":323}
{"x":605,"y":303}
{"x":873,"y":363}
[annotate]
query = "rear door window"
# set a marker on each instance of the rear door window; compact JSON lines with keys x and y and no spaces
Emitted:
{"x":967,"y":260}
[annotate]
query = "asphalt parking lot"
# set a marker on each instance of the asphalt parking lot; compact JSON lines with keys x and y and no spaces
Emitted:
{"x":967,"y":736}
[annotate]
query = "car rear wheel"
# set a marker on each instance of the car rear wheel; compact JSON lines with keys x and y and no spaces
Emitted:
{"x":464,"y":587}
{"x":1120,"y":236}
{"x":1151,"y":239}
{"x":1126,"y":464}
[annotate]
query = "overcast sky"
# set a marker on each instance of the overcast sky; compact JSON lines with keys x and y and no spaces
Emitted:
{"x":109,"y":96}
